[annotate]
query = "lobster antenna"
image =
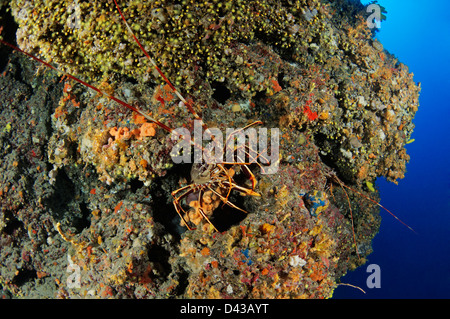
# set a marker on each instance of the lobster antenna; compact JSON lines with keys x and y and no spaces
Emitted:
{"x":387,"y":210}
{"x":70,"y":76}
{"x":351,"y":215}
{"x":188,"y":104}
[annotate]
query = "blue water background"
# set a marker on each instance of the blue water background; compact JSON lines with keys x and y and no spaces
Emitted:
{"x":416,"y":265}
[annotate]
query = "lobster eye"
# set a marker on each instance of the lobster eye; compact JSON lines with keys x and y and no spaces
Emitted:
{"x":205,"y":170}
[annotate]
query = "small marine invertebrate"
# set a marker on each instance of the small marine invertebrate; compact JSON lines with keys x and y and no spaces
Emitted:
{"x":211,"y":185}
{"x":316,"y":202}
{"x":147,"y":130}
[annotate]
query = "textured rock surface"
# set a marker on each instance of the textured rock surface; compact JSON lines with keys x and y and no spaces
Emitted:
{"x":85,"y":185}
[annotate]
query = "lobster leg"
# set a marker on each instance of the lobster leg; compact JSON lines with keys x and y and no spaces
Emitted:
{"x":176,"y":203}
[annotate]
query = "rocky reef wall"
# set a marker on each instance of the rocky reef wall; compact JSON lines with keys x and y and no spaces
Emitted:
{"x":85,"y":184}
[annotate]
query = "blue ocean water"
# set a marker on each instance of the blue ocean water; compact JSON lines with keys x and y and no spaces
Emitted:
{"x":416,"y":265}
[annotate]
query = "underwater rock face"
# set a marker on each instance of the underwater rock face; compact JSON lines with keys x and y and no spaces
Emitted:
{"x":85,"y":185}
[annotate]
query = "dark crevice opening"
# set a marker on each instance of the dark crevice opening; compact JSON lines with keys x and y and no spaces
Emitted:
{"x":221,"y":92}
{"x":280,"y":79}
{"x":83,"y":221}
{"x":159,"y":257}
{"x":12,"y":223}
{"x":225,"y":216}
{"x":183,"y":283}
{"x":162,"y":201}
{"x":331,"y":157}
{"x":8,"y":34}
{"x":135,"y":185}
{"x":66,"y":203}
{"x":63,"y":195}
{"x":24,"y":276}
